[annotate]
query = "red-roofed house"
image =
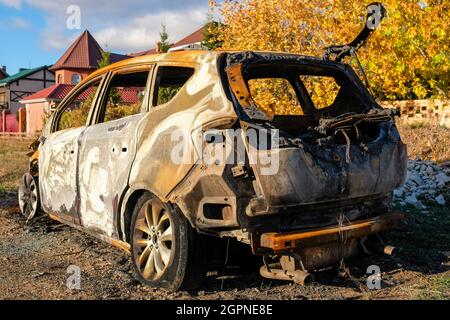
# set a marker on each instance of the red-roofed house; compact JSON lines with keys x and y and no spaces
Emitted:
{"x":192,"y":41}
{"x":45,"y":101}
{"x":41,"y":103}
{"x":79,"y":60}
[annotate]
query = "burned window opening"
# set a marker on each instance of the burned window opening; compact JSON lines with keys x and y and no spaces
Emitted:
{"x":169,"y":82}
{"x":326,"y":91}
{"x":125,"y":96}
{"x":300,"y":78}
{"x":76,"y":112}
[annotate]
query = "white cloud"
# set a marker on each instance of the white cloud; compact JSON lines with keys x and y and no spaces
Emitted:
{"x":122,"y":26}
{"x":19,"y":23}
{"x":12,"y":3}
{"x":142,"y":32}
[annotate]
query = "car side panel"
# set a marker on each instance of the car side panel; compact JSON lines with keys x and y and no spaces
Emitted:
{"x":201,"y":101}
{"x":57,"y":172}
{"x":106,"y":154}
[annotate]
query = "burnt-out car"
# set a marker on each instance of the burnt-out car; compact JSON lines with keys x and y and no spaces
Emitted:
{"x":155,"y":153}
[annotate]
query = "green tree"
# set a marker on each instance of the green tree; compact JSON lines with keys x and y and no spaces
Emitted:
{"x":105,"y":60}
{"x":163,"y":43}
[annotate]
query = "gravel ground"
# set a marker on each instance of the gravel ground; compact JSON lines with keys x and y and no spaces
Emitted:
{"x":34,"y":259}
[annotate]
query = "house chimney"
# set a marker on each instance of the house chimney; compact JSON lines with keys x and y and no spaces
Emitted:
{"x":4,"y":69}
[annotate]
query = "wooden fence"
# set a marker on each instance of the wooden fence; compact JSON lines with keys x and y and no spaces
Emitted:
{"x":435,"y":112}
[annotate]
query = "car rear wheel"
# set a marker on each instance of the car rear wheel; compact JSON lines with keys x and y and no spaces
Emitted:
{"x":166,"y":250}
{"x":29,"y":196}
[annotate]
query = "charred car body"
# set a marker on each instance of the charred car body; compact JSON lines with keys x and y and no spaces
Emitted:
{"x":112,"y":173}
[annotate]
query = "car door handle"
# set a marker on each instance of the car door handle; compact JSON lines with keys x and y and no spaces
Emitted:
{"x":124,"y":150}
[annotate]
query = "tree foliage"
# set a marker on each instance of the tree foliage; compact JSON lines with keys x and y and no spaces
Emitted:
{"x":163,"y":44}
{"x":105,"y":60}
{"x":210,"y":39}
{"x":407,"y":58}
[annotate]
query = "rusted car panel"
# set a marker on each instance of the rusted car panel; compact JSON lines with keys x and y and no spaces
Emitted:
{"x":311,"y":238}
{"x":103,"y":179}
{"x":58,"y":163}
{"x":201,"y":102}
{"x":311,"y":174}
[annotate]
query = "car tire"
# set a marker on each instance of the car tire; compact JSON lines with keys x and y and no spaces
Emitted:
{"x":28,"y":196}
{"x":166,"y":251}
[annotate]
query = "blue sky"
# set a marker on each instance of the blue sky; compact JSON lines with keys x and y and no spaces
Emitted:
{"x":35,"y":33}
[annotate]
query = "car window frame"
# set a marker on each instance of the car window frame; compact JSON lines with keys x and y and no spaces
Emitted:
{"x":145,"y":107}
{"x":294,"y":85}
{"x":65,"y":103}
{"x":193,"y":66}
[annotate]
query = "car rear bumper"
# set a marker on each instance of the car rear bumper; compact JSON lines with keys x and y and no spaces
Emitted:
{"x":279,"y":242}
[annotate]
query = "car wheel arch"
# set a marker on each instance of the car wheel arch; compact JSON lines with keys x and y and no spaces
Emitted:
{"x":129,"y":202}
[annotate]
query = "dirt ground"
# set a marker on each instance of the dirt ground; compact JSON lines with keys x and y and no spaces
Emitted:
{"x":34,"y":259}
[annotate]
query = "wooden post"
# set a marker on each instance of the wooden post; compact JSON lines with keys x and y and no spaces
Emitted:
{"x":22,"y":120}
{"x":4,"y":120}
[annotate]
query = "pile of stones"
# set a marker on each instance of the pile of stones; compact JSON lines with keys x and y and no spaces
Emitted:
{"x":427,"y":184}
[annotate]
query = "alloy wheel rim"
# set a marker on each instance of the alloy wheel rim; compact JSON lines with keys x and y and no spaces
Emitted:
{"x":28,"y":196}
{"x":153,"y":240}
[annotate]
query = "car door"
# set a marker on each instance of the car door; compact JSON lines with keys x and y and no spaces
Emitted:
{"x":108,"y":147}
{"x":60,"y":148}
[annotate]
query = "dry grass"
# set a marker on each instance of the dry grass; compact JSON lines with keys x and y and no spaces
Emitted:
{"x":13,"y":162}
{"x":427,"y":141}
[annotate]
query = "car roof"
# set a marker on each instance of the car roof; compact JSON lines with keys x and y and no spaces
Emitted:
{"x":184,"y":56}
{"x":187,"y":56}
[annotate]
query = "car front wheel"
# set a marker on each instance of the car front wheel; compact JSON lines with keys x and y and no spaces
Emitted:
{"x":166,"y":250}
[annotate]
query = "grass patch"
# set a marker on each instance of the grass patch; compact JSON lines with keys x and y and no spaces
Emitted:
{"x":437,"y":288}
{"x":427,"y":235}
{"x":13,"y":162}
{"x":426,"y":141}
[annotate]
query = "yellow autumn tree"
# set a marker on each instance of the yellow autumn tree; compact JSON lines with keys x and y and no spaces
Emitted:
{"x":407,"y":58}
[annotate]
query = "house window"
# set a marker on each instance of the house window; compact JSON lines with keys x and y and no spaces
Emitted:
{"x":59,"y":78}
{"x":76,"y":78}
{"x":3,"y":103}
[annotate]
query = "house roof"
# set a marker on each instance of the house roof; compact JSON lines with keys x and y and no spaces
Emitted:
{"x":56,"y":92}
{"x":143,"y":53}
{"x":195,"y":37}
{"x":84,"y":53}
{"x":60,"y":91}
{"x":21,"y":74}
